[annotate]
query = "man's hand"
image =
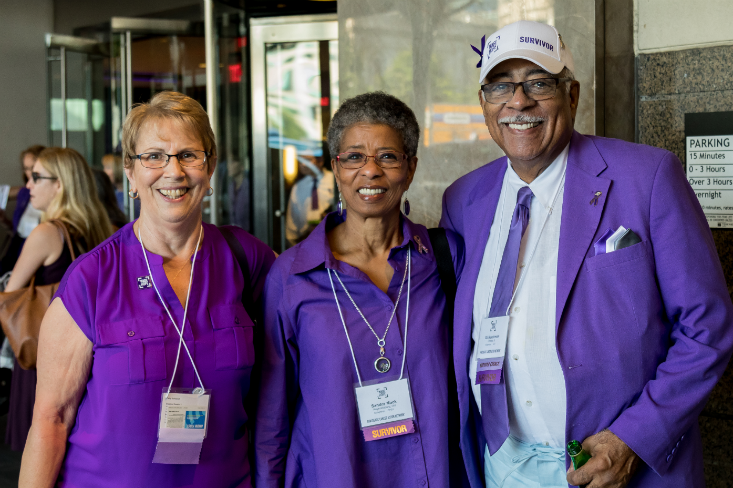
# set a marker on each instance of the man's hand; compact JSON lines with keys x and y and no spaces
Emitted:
{"x":612,"y":465}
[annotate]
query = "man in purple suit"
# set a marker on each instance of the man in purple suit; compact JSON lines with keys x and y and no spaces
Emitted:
{"x":592,"y":305}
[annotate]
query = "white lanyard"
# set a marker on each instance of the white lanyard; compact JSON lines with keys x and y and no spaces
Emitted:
{"x":407,"y":317}
{"x":534,"y":248}
{"x":185,"y":309}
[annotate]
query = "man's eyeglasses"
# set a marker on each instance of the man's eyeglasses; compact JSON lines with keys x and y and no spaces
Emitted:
{"x":188,"y":159}
{"x":539,"y":89}
{"x":38,"y":176}
{"x":385,"y":159}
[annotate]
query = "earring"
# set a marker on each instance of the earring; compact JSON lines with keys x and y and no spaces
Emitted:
{"x":340,"y":206}
{"x":209,"y":192}
{"x":133,"y":194}
{"x":406,"y":205}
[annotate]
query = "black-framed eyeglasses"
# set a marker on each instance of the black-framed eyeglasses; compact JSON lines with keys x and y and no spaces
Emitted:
{"x":539,"y":89}
{"x":188,"y":159}
{"x":385,"y":159}
{"x":38,"y":176}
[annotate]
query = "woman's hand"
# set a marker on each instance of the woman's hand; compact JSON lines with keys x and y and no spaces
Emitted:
{"x":64,"y":361}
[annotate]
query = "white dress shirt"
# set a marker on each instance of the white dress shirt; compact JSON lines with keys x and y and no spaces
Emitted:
{"x":533,"y":376}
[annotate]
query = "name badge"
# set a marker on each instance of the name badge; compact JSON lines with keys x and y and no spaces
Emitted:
{"x":385,"y":409}
{"x":491,"y":350}
{"x":184,"y":418}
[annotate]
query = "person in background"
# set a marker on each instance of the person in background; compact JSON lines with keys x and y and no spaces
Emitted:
{"x":25,"y":217}
{"x":62,"y":187}
{"x":112,"y":165}
{"x":311,"y":198}
{"x":593,"y":288}
{"x":238,"y":193}
{"x":110,"y":343}
{"x":106,"y":195}
{"x":336,"y":316}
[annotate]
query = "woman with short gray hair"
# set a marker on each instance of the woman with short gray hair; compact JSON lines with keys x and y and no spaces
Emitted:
{"x":356,"y":362}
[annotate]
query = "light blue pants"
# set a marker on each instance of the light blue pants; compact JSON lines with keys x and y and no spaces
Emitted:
{"x":518,"y":464}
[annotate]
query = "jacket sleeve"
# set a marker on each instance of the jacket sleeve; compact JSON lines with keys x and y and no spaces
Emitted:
{"x":446,"y":221}
{"x":699,"y":311}
{"x":278,"y":388}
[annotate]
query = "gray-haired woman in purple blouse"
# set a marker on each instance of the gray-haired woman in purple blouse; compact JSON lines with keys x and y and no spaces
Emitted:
{"x":355,"y":370}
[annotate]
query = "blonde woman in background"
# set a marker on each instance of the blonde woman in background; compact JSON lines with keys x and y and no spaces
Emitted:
{"x":62,"y":187}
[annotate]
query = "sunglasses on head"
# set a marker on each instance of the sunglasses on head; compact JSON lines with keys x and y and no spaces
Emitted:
{"x":38,"y":176}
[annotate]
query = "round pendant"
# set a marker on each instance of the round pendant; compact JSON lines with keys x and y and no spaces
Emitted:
{"x":382,"y":364}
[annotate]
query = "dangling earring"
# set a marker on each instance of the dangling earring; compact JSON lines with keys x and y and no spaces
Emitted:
{"x":133,"y":194}
{"x":340,"y":206}
{"x":406,"y":205}
{"x":209,"y":192}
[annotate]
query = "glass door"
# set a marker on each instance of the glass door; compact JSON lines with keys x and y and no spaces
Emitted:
{"x":76,"y":94}
{"x":294,"y":94}
{"x":150,"y":56}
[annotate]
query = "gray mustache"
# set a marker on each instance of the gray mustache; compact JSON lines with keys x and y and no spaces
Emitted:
{"x":521,"y":119}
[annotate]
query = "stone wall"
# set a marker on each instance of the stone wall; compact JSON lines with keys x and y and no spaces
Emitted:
{"x":669,"y":85}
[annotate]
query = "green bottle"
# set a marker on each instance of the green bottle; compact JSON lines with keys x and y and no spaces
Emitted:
{"x":579,"y":455}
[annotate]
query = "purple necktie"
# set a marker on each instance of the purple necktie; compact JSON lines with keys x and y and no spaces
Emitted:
{"x":494,"y":414}
{"x":508,"y":271}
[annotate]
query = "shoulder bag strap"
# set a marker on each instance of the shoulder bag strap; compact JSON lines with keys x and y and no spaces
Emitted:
{"x":441,"y":251}
{"x":444,"y":260}
{"x":67,"y":236}
{"x":250,"y":401}
{"x":238,"y":251}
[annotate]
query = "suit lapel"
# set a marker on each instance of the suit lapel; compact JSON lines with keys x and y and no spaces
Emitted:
{"x":580,"y":217}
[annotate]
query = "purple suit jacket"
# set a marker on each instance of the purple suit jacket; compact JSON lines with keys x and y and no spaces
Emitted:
{"x":643,"y":333}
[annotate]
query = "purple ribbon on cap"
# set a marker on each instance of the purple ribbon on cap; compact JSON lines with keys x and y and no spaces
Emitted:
{"x":481,"y":52}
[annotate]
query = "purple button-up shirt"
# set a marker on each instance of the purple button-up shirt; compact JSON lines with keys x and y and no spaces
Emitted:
{"x":134,"y":346}
{"x":307,"y":431}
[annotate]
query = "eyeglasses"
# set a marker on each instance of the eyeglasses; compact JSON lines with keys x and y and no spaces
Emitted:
{"x":539,"y":89}
{"x":385,"y":159}
{"x":38,"y":176}
{"x":188,"y":159}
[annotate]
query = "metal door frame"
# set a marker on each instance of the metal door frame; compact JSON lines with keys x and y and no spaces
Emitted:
{"x":268,"y":31}
{"x":66,"y":43}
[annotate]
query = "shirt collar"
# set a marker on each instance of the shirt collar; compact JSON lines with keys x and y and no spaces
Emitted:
{"x":546,"y":185}
{"x":211,"y":236}
{"x":315,"y":250}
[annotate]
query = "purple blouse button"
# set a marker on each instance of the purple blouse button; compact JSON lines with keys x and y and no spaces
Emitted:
{"x":131,"y":333}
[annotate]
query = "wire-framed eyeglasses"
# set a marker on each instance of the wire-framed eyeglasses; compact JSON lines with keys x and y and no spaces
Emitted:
{"x":385,"y":159}
{"x":539,"y":89}
{"x":188,"y":159}
{"x":38,"y":176}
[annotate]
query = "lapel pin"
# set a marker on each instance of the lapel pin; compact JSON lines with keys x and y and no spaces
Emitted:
{"x":420,"y":247}
{"x":144,"y":282}
{"x":594,"y":201}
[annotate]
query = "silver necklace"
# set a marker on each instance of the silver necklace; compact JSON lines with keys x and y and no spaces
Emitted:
{"x":381,"y":364}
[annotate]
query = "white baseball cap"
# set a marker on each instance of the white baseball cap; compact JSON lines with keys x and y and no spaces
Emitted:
{"x":533,"y":41}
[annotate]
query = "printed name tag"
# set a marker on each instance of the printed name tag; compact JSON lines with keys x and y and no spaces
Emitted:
{"x":385,"y":409}
{"x":184,"y":417}
{"x":491,"y":350}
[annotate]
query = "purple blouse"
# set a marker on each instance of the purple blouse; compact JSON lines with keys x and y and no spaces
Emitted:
{"x":134,"y":347}
{"x":307,"y":429}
